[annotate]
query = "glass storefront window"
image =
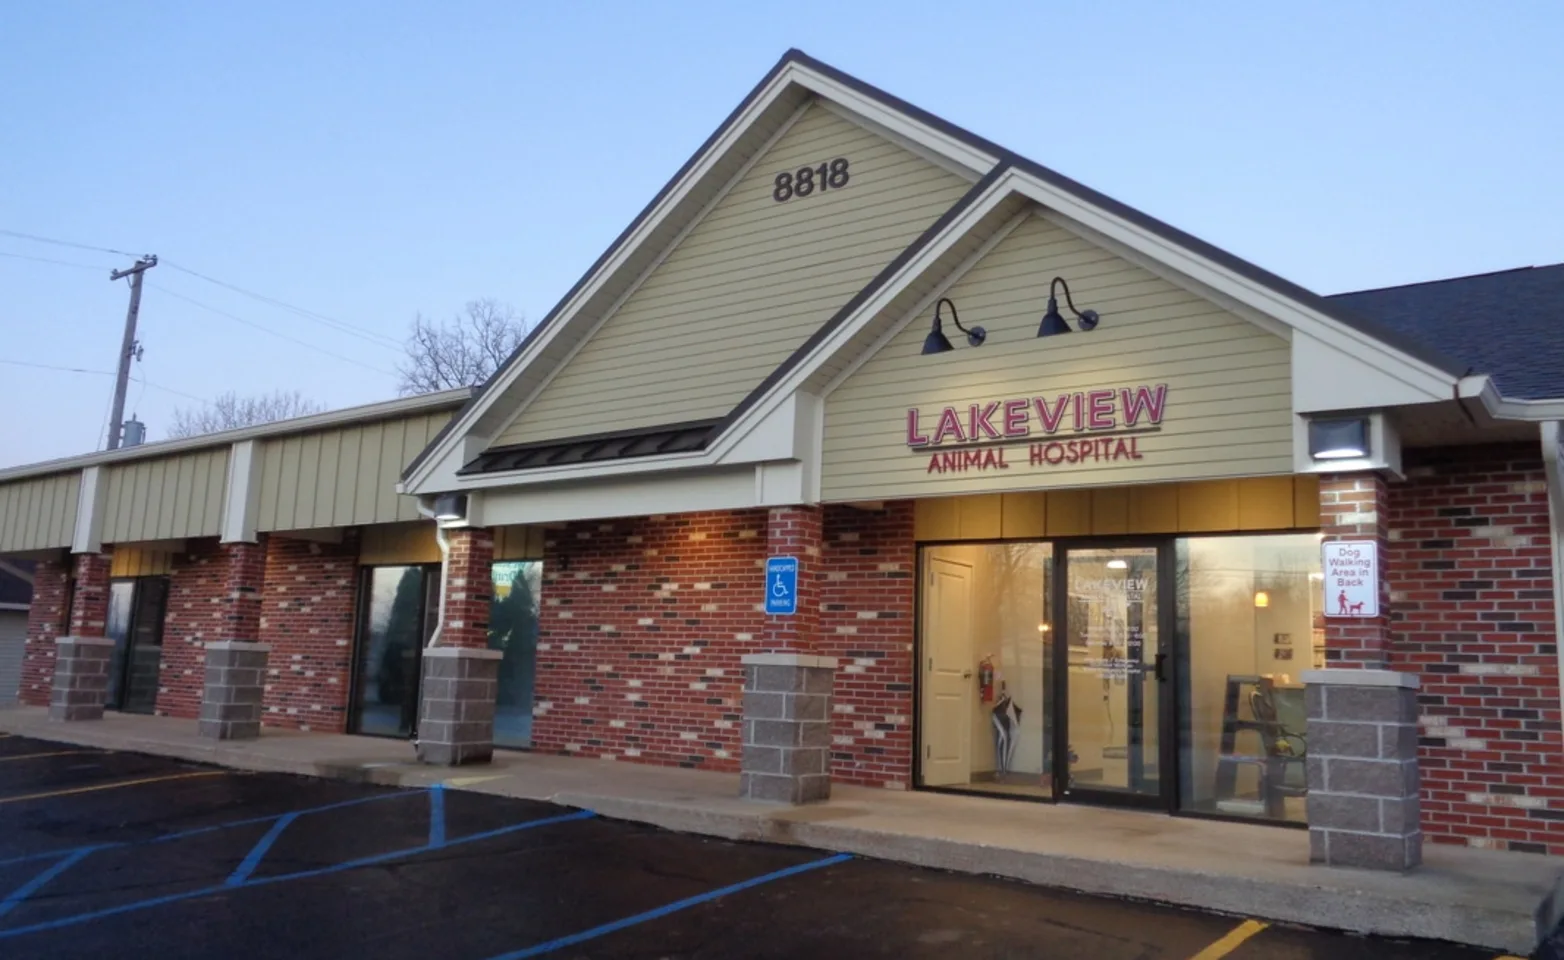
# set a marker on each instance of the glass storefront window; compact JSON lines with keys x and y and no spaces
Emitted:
{"x":1249,"y":619}
{"x":513,"y":629}
{"x":135,"y":624}
{"x":400,"y":611}
{"x":986,"y":652}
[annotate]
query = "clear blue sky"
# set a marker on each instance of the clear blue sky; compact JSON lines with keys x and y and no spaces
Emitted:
{"x":369,"y":160}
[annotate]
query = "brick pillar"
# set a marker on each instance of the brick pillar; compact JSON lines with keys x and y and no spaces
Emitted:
{"x":48,"y":619}
{"x":90,"y":602}
{"x":461,"y":675}
{"x":83,"y":658}
{"x":796,"y":532}
{"x":1356,"y":506}
{"x":1362,"y":769}
{"x":787,"y":690}
{"x":236,"y":664}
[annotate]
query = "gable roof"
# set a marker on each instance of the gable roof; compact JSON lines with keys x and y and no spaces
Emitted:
{"x":1508,"y":324}
{"x":744,"y":126}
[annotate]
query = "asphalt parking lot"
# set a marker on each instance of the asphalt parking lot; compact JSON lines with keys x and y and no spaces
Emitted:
{"x":127,"y":856}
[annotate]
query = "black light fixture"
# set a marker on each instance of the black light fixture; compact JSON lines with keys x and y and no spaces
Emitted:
{"x":937,"y":342}
{"x":1339,"y":439}
{"x":1054,"y":323}
{"x":450,"y":507}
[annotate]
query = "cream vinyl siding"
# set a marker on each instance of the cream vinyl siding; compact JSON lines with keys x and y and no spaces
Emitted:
{"x":748,"y":284}
{"x":344,"y":476}
{"x":38,"y":514}
{"x":1229,"y":402}
{"x":165,"y":499}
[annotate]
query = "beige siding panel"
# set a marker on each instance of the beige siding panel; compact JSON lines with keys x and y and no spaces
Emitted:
{"x":1111,"y":511}
{"x":1209,"y":506}
{"x":747,"y":285}
{"x":978,"y":518}
{"x":518,"y":543}
{"x":345,"y":476}
{"x":170,"y":498}
{"x":134,"y":562}
{"x":1069,"y":513}
{"x":1024,"y":515}
{"x":38,"y":513}
{"x":1154,"y":508}
{"x":1265,"y":503}
{"x":936,"y":519}
{"x":1306,"y":501}
{"x":1229,"y":382}
{"x":398,"y":543}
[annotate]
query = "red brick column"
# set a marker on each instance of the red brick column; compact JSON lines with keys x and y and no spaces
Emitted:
{"x":796,"y":532}
{"x":245,"y":574}
{"x":309,"y":600}
{"x":47,"y":620}
{"x":90,"y":602}
{"x":1356,"y":506}
{"x":468,"y":588}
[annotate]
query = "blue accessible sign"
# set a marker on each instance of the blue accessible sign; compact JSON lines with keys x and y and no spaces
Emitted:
{"x":782,"y":585}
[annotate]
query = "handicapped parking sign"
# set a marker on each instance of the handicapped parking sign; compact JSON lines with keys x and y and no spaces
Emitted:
{"x":782,"y":585}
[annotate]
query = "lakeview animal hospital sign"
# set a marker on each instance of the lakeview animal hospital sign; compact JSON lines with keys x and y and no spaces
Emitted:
{"x":1102,"y":425}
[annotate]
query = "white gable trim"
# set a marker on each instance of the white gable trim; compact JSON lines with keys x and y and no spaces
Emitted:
{"x":965,"y":156}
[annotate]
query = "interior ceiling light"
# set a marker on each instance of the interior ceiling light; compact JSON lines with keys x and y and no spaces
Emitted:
{"x":1054,"y":323}
{"x":937,"y":342}
{"x":1262,"y":599}
{"x":1118,"y":565}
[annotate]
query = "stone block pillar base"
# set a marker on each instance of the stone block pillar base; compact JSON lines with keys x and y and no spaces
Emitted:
{"x":457,"y":722}
{"x":787,"y":727}
{"x":81,"y":677}
{"x":235,"y":682}
{"x":1362,"y":768}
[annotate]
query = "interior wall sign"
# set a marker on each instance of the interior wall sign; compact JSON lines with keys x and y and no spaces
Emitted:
{"x":1090,"y":426}
{"x":828,"y":175}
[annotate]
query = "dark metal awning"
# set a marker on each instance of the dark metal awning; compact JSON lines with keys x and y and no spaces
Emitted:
{"x":620,"y":445}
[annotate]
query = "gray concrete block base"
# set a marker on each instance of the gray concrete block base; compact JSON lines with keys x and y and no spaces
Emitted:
{"x":456,"y":725}
{"x":1363,"y":770}
{"x":231,"y":695}
{"x":81,"y":677}
{"x":787,"y":728}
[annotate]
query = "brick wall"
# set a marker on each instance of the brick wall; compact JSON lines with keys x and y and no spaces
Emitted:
{"x":47,"y":619}
{"x":469,"y":588}
{"x":197,"y":586}
{"x":643,"y":624}
{"x":307,"y":611}
{"x":866,"y":621}
{"x":1472,"y":608}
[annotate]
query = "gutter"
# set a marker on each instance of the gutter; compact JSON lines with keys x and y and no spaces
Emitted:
{"x":1500,"y":407}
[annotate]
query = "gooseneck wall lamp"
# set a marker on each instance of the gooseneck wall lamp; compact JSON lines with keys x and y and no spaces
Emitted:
{"x":1054,"y":323}
{"x":937,"y":342}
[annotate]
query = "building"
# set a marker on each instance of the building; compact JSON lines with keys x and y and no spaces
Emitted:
{"x":873,"y":453}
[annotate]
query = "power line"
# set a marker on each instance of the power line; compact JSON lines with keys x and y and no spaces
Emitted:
{"x":250,"y":323}
{"x":66,"y":243}
{"x":102,"y":373}
{"x":363,"y":333}
{"x":63,"y":263}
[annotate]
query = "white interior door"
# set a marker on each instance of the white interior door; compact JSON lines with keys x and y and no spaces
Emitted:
{"x":947,"y":664}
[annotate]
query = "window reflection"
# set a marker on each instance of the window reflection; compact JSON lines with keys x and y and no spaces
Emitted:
{"x":513,"y":629}
{"x":1250,"y":619}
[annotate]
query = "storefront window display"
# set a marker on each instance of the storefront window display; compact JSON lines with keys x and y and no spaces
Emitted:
{"x":513,"y":629}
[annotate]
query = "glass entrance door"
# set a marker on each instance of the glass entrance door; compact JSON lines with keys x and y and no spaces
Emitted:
{"x":135,"y":624}
{"x":399,"y":611}
{"x":1112,"y":734}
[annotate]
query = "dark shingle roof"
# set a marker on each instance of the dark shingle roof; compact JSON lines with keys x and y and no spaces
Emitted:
{"x":620,"y":445}
{"x":1509,"y":325}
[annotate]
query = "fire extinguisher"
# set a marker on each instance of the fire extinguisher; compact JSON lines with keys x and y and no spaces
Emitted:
{"x":986,"y":679}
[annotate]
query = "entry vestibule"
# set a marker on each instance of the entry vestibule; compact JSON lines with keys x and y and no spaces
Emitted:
{"x":1151,"y":670}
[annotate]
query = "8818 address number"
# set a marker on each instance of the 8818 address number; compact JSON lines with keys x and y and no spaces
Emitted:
{"x":830,"y":175}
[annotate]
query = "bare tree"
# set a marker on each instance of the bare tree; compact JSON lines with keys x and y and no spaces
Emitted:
{"x":461,"y":352}
{"x":231,"y":411}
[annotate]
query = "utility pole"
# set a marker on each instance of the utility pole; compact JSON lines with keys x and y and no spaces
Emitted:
{"x":128,"y":349}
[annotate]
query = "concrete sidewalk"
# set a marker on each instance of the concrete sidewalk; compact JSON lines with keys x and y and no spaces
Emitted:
{"x":1479,"y":897}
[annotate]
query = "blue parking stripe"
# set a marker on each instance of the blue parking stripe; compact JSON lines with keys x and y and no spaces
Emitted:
{"x":197,"y":831}
{"x":674,"y":907}
{"x":258,"y":852}
{"x":36,"y":883}
{"x":436,"y":817}
{"x":301,"y":875}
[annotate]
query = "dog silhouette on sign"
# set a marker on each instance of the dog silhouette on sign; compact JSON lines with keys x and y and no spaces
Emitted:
{"x":1356,"y":609}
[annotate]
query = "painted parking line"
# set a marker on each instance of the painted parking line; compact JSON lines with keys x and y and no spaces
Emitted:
{"x":1232,"y":941}
{"x":285,"y":877}
{"x":197,"y":831}
{"x":663,"y":911}
{"x":114,"y":786}
{"x":54,"y":753}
